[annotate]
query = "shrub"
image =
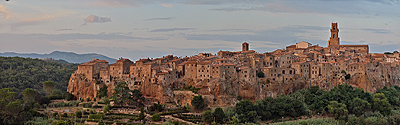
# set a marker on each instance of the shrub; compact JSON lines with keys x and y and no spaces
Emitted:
{"x":156,"y":117}
{"x":96,"y":116}
{"x":78,"y":114}
{"x":88,"y":99}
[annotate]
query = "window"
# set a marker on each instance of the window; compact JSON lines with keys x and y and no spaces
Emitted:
{"x":333,"y":35}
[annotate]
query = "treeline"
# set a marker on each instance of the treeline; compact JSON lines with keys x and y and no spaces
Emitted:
{"x":344,"y":103}
{"x":19,"y":73}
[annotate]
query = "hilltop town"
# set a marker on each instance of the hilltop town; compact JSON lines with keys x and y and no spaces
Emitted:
{"x":223,"y":77}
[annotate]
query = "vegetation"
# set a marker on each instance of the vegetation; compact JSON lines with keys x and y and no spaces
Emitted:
{"x":19,"y":73}
{"x":260,"y":74}
{"x":198,"y":102}
{"x":124,"y":96}
{"x":156,"y":117}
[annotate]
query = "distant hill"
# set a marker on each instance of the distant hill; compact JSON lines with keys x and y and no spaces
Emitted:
{"x":57,"y":55}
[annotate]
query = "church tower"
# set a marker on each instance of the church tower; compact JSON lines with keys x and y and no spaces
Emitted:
{"x":334,"y":40}
{"x":245,"y":46}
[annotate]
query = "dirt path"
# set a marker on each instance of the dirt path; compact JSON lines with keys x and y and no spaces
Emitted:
{"x":171,"y":117}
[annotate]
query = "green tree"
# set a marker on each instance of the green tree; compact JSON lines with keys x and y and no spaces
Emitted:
{"x":337,"y":109}
{"x":102,"y":92}
{"x":219,"y":115}
{"x":14,"y":108}
{"x":30,"y":96}
{"x":123,"y":95}
{"x":48,"y":87}
{"x":359,"y":106}
{"x":141,"y":114}
{"x":107,"y":108}
{"x":207,"y":116}
{"x":198,"y":102}
{"x":156,"y":117}
{"x":69,"y":96}
{"x":381,"y":104}
{"x":246,"y":111}
{"x":78,"y":114}
{"x":56,"y":94}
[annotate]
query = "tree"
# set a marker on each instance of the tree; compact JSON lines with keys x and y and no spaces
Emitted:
{"x":78,"y":114}
{"x":207,"y":116}
{"x":337,"y":109}
{"x":219,"y":115}
{"x":56,"y":94}
{"x":69,"y":96}
{"x":260,"y":74}
{"x":359,"y":106}
{"x":30,"y":96}
{"x":141,"y":114}
{"x":48,"y":87}
{"x":198,"y":102}
{"x":156,"y":117}
{"x":102,"y":92}
{"x":107,"y":108}
{"x":246,"y":111}
{"x":381,"y":104}
{"x":14,"y":108}
{"x":124,"y":96}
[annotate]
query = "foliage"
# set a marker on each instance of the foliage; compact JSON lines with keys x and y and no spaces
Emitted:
{"x":56,"y":94}
{"x":69,"y":96}
{"x":96,"y":116}
{"x":260,"y":74}
{"x":219,"y":115}
{"x":107,"y":108}
{"x":359,"y":106}
{"x":48,"y":87}
{"x":141,"y":114}
{"x":381,"y":104}
{"x":102,"y":92}
{"x":207,"y":116}
{"x":38,"y":121}
{"x":105,"y":100}
{"x":156,"y":117}
{"x":156,"y":107}
{"x":31,"y":96}
{"x":124,"y":96}
{"x":198,"y":102}
{"x":20,"y":73}
{"x":246,"y":111}
{"x":337,"y":109}
{"x":78,"y":114}
{"x":319,"y":121}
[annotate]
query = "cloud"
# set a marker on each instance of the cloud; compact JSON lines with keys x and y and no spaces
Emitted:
{"x":171,"y":29}
{"x":167,"y":5}
{"x":381,"y":31}
{"x":96,"y":19}
{"x":37,"y":19}
{"x":64,"y":29}
{"x":4,"y":13}
{"x":166,"y":18}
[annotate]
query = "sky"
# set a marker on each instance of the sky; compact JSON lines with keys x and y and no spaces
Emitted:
{"x":137,"y":29}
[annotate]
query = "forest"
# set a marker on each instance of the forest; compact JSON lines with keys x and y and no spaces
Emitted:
{"x":19,"y":73}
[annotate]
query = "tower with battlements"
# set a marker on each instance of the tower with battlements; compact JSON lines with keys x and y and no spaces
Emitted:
{"x":334,"y":40}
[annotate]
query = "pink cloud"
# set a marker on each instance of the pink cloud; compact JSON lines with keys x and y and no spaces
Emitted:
{"x":7,"y":14}
{"x":167,"y":5}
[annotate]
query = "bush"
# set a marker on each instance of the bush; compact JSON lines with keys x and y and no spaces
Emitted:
{"x":260,"y":74}
{"x":78,"y":114}
{"x":156,"y":107}
{"x":198,"y":102}
{"x":94,"y":99}
{"x":88,"y":99}
{"x":156,"y":117}
{"x":96,"y":116}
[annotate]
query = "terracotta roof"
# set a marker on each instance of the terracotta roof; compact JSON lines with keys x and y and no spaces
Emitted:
{"x":291,"y":46}
{"x":204,"y":63}
{"x":227,"y":64}
{"x":92,"y":62}
{"x":161,"y":73}
{"x":141,"y":60}
{"x":353,"y":45}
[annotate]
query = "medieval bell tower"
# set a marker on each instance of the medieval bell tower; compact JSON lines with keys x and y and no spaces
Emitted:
{"x":334,"y":40}
{"x":245,"y":46}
